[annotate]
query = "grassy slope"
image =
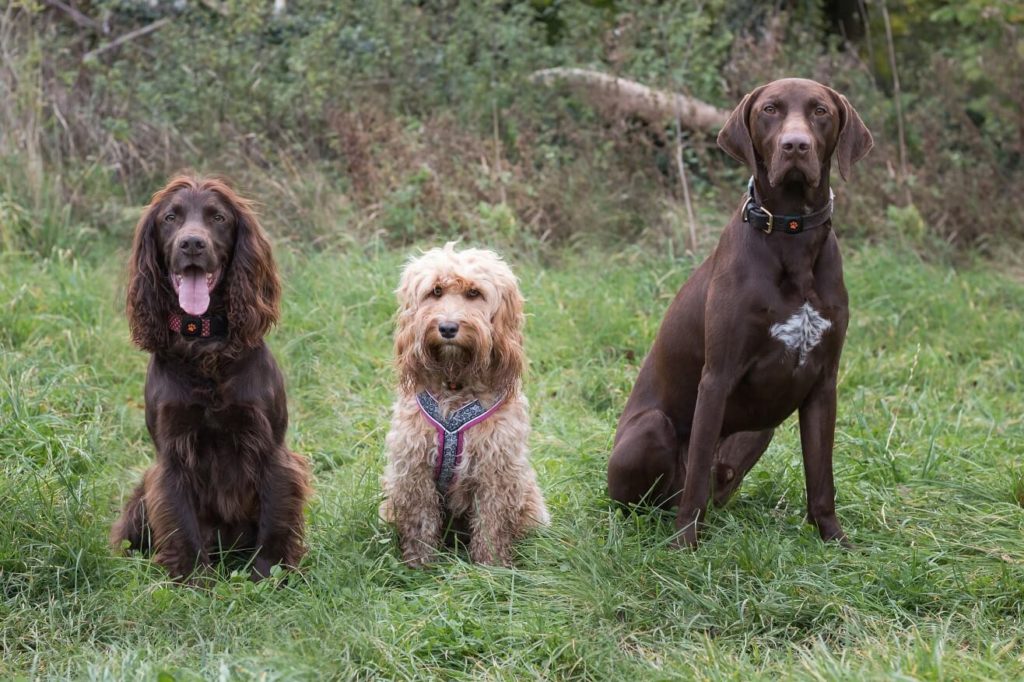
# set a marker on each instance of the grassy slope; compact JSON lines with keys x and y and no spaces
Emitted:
{"x":927,"y":448}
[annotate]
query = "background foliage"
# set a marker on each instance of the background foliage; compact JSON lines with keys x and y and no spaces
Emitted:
{"x":400,"y":119}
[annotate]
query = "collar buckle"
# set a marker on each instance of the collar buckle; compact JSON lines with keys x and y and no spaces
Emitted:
{"x":749,"y":206}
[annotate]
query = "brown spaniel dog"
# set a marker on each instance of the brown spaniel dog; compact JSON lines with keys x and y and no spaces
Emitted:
{"x":202,"y":291}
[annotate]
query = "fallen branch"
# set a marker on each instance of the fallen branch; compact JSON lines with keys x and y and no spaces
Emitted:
{"x":619,"y":97}
{"x":79,"y":18}
{"x":131,"y":35}
{"x":217,"y":7}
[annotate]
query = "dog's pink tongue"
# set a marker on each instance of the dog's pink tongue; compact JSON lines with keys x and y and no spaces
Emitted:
{"x":193,"y":294}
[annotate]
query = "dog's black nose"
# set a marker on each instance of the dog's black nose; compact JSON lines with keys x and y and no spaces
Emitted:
{"x":448,"y":329}
{"x":192,"y":245}
{"x":795,"y":142}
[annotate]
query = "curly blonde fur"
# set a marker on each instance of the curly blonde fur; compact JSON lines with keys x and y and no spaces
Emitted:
{"x":495,"y":492}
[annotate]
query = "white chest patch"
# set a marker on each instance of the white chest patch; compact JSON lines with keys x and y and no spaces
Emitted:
{"x":801,"y":332}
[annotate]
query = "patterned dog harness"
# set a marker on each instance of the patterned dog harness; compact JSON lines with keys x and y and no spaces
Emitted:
{"x":449,"y":433}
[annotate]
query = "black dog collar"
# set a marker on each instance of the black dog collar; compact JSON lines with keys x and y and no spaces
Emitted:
{"x":758,"y":217}
{"x":199,"y":327}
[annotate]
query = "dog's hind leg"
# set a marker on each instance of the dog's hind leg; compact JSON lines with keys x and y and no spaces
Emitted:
{"x":642,"y":468}
{"x":737,"y":454}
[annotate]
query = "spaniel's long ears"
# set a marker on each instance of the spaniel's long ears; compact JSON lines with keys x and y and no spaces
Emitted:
{"x":150,"y":295}
{"x":254,"y":288}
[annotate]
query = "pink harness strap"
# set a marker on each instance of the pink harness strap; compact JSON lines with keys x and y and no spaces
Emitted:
{"x":449,"y":433}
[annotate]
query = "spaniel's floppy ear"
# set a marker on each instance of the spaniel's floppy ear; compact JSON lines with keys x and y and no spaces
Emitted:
{"x":508,"y":359}
{"x":149,"y":293}
{"x":254,"y":289}
{"x":855,"y":139}
{"x":734,"y":137}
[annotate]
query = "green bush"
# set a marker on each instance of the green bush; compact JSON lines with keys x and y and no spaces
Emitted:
{"x":397,"y":119}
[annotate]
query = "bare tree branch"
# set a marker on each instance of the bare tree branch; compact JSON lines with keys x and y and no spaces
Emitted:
{"x":620,"y":97}
{"x":79,"y":18}
{"x":215,"y":6}
{"x":131,"y":35}
{"x":897,"y":95}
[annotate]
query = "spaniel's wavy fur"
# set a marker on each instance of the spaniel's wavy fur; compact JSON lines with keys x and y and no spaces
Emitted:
{"x":495,"y":495}
{"x":215,"y":407}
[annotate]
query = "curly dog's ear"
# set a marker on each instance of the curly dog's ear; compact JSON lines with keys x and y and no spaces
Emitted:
{"x":149,"y":300}
{"x":254,"y":288}
{"x":508,"y":359}
{"x":407,"y":354}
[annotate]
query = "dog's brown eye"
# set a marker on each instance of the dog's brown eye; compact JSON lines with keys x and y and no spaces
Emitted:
{"x":170,"y":218}
{"x":437,"y":292}
{"x":821,"y":111}
{"x":219,"y":218}
{"x":769,"y":109}
{"x":473,"y":293}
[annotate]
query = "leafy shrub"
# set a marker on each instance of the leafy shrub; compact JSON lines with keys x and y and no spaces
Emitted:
{"x":399,"y":120}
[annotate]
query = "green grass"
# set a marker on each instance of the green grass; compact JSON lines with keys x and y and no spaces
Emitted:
{"x":928,"y":472}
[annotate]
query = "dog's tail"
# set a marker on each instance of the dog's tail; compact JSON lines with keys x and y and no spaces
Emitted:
{"x":132,"y":525}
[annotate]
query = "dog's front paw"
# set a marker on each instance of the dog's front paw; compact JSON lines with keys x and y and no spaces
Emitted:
{"x":261,"y":569}
{"x":183,"y":566}
{"x":830,"y":530}
{"x":688,"y":525}
{"x":417,"y":554}
{"x":417,"y":559}
{"x":490,"y":553}
{"x":687,"y":539}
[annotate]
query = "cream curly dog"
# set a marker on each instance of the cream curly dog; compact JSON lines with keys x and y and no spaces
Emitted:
{"x":457,"y":447}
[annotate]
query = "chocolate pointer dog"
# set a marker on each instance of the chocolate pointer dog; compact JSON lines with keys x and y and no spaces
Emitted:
{"x":756,"y":333}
